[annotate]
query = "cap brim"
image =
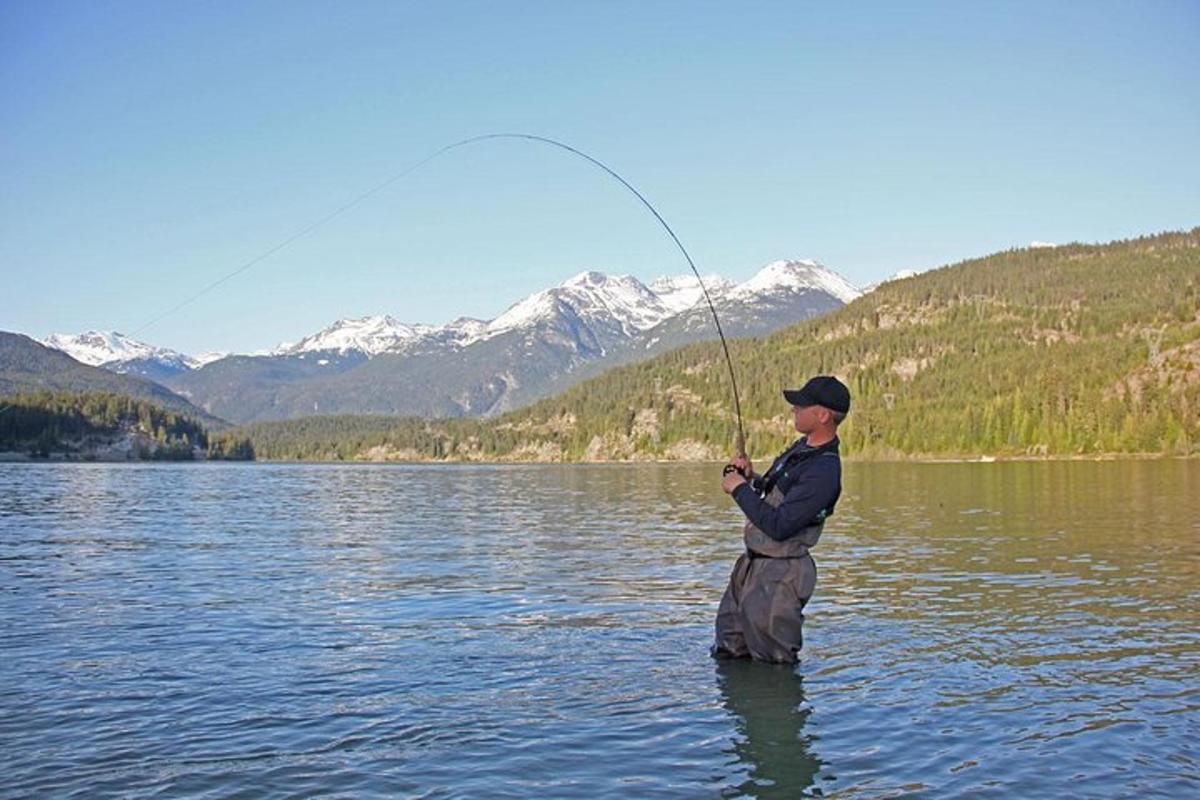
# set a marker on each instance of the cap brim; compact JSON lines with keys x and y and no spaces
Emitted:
{"x":797,"y":397}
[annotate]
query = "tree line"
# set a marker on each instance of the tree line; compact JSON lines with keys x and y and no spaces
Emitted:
{"x":45,"y":423}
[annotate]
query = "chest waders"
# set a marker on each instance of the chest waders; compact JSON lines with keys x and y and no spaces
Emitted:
{"x":761,"y":612}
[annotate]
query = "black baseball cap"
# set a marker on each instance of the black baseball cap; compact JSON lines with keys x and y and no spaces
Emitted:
{"x":823,"y":390}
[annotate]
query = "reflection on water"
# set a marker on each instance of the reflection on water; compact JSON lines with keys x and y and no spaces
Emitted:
{"x":981,"y":630}
{"x":768,"y":709}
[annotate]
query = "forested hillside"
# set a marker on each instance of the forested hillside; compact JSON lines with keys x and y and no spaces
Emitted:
{"x":29,"y":366}
{"x":104,"y":425}
{"x":1072,"y":350}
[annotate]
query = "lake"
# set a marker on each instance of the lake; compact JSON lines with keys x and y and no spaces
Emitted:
{"x":979,"y":630}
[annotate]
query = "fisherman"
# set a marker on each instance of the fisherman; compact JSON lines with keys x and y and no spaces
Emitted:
{"x":760,"y":615}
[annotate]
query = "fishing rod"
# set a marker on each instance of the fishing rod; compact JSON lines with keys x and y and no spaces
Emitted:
{"x":737,"y":403}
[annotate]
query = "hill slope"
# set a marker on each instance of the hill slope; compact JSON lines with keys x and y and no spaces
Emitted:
{"x":1079,"y":349}
{"x":27,"y":366}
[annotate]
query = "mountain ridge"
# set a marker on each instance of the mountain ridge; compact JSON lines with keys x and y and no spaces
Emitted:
{"x":539,"y":345}
{"x":378,"y":333}
{"x":1073,"y":351}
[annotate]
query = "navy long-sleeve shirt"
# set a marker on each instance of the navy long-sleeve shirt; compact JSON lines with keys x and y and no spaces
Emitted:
{"x":811,"y":489}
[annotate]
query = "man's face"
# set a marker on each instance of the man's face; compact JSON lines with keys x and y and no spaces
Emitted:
{"x":808,"y":418}
{"x":804,"y":418}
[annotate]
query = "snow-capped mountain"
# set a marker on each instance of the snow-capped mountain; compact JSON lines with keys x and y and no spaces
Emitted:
{"x":611,"y":306}
{"x":541,"y":344}
{"x":371,"y":335}
{"x":607,"y":300}
{"x":118,"y":353}
{"x":795,"y":276}
{"x":384,"y":334}
{"x":781,"y":293}
{"x":105,"y":347}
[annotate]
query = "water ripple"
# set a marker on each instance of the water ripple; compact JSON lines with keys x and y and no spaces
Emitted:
{"x":979,"y":630}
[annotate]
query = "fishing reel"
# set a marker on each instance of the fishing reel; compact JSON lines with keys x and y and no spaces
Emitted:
{"x":734,"y":468}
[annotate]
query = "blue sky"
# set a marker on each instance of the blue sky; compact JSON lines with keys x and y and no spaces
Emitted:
{"x":147,"y":149}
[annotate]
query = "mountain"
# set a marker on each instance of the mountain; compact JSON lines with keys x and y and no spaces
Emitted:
{"x":1076,"y":350}
{"x":249,"y":387}
{"x":468,"y":367}
{"x":28,"y":366}
{"x":118,"y":353}
{"x":613,"y":308}
{"x":780,"y":294}
{"x":367,"y":335}
{"x":542,"y":344}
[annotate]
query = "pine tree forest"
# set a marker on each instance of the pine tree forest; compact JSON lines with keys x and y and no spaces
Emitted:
{"x":48,"y":423}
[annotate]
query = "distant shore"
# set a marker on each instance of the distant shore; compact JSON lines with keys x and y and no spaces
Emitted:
{"x":9,"y":457}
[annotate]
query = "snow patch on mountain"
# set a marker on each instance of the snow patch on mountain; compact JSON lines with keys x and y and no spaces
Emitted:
{"x":681,"y":292}
{"x":537,"y":306}
{"x":207,"y":358}
{"x":899,"y":276}
{"x":463,"y":331}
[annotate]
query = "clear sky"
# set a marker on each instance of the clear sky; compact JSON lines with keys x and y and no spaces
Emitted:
{"x":149,"y":148}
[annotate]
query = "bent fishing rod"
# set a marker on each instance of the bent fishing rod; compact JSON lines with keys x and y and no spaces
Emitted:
{"x":737,"y":403}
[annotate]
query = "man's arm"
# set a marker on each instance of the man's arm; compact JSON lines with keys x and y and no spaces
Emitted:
{"x":811,"y":495}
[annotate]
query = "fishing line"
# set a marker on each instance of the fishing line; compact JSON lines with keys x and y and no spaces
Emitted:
{"x":737,"y":403}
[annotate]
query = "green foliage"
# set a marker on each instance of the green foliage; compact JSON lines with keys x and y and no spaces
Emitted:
{"x":1079,"y":349}
{"x":46,"y":423}
{"x":229,"y":447}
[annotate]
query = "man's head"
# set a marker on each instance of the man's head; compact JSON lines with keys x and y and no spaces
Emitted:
{"x":819,"y":406}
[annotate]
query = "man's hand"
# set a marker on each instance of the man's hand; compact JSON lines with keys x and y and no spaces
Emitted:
{"x":743,"y":463}
{"x":731,"y":482}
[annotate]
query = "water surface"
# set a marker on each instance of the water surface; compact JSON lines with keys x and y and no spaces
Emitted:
{"x":979,"y":630}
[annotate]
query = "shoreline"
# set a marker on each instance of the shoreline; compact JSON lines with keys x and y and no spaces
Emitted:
{"x":9,"y":457}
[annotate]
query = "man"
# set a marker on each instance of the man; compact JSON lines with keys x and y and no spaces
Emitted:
{"x":760,"y":615}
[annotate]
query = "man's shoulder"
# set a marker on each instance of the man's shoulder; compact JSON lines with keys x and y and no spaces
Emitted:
{"x":829,"y":460}
{"x":828,"y":463}
{"x":827,"y":451}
